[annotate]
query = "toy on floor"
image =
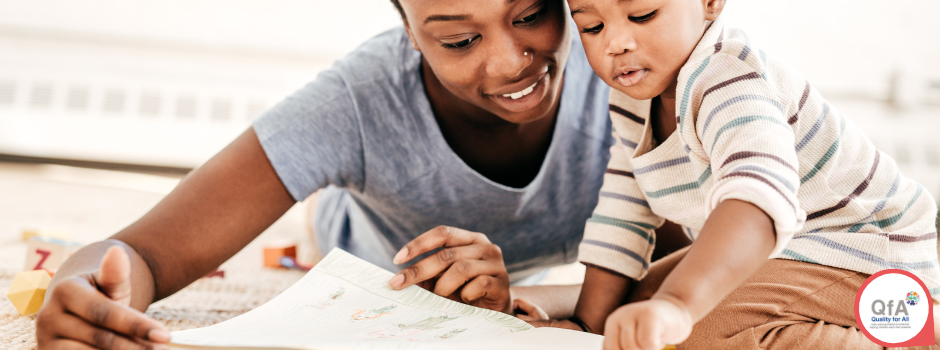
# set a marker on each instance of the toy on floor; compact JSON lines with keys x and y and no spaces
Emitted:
{"x":27,"y":291}
{"x":32,"y":232}
{"x":275,"y":250}
{"x":292,"y":263}
{"x":217,"y":273}
{"x":47,"y":253}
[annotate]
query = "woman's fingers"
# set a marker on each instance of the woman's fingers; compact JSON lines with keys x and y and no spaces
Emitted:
{"x":65,"y":344}
{"x":466,"y":270}
{"x":436,"y":264}
{"x":78,"y":316}
{"x":488,"y":292}
{"x":469,"y":268}
{"x":77,"y":329}
{"x":528,"y":309}
{"x":114,"y":276}
{"x":441,"y":236}
{"x":99,"y":310}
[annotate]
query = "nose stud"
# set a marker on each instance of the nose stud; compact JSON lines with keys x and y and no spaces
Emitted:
{"x":525,"y":53}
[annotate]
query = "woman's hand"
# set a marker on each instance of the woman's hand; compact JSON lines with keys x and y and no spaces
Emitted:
{"x":528,"y":311}
{"x":537,"y":317}
{"x":647,"y":325}
{"x":468,"y":269}
{"x":91,"y":312}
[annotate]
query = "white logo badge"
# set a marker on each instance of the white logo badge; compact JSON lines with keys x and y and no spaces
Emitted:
{"x":893,"y":309}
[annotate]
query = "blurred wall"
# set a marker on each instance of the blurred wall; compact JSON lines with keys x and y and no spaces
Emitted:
{"x":171,"y":82}
{"x":167,"y":82}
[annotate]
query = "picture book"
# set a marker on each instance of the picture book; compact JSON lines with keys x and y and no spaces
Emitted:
{"x":345,"y":303}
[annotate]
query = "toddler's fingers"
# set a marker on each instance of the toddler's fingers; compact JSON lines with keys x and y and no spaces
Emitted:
{"x":649,"y":334}
{"x":612,"y":333}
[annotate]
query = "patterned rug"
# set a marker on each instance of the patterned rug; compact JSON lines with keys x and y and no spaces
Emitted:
{"x":93,"y":204}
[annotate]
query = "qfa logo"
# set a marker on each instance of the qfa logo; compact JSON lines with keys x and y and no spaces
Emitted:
{"x":900,"y":313}
{"x":901,"y":322}
{"x":912,"y":298}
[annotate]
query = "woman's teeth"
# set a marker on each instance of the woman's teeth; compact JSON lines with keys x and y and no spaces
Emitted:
{"x":520,"y":94}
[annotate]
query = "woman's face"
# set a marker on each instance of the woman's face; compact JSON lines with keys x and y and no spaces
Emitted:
{"x":506,"y":57}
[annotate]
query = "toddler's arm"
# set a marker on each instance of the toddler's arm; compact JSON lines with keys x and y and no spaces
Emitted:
{"x":735,"y":241}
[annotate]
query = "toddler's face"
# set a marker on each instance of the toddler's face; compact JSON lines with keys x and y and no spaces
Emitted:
{"x":638,"y":46}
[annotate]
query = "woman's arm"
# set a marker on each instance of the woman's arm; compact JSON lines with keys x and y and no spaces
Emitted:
{"x":212,"y":214}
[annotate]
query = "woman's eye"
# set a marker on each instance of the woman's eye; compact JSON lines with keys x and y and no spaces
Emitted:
{"x":643,"y":18}
{"x":530,"y":18}
{"x":593,"y":30}
{"x":461,"y":44}
{"x":534,"y":17}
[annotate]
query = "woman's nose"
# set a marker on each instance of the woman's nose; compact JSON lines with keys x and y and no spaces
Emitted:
{"x":507,"y":59}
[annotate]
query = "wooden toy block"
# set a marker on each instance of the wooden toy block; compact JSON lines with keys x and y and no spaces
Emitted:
{"x":27,"y":291}
{"x":217,"y":273}
{"x":274,"y":251}
{"x":58,"y":234}
{"x":46,"y":253}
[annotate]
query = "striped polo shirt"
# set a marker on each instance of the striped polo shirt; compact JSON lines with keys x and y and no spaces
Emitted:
{"x":750,"y":128}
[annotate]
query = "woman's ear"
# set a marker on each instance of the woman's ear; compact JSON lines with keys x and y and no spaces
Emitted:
{"x":411,"y":37}
{"x":713,"y":9}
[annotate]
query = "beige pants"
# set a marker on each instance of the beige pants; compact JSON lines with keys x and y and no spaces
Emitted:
{"x":785,"y":305}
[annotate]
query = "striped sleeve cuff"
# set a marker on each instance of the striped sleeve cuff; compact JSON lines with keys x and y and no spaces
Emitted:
{"x":620,"y":246}
{"x":787,"y":215}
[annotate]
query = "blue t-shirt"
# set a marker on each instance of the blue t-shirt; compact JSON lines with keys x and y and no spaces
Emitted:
{"x":364,"y":129}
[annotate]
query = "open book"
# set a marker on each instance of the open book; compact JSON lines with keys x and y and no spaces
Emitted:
{"x":346,"y":303}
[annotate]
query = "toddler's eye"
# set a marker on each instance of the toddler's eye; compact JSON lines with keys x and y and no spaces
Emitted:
{"x":461,"y":44}
{"x":643,"y":18}
{"x":593,"y":30}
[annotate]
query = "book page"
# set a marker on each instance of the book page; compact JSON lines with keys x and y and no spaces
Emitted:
{"x":346,"y":303}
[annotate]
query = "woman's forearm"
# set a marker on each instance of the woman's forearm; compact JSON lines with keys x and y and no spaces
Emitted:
{"x":734,"y":243}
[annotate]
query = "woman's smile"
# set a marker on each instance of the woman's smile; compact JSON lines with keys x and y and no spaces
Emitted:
{"x":522,"y":96}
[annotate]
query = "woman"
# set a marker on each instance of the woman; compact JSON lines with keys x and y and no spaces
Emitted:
{"x":465,"y":117}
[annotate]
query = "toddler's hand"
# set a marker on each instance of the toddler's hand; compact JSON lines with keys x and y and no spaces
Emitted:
{"x":647,"y":325}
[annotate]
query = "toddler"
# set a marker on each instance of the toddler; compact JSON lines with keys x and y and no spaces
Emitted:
{"x":789,"y":206}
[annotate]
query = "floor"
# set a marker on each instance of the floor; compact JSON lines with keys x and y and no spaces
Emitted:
{"x":92,"y":204}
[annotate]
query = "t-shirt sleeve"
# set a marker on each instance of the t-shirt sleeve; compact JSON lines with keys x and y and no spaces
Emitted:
{"x":741,"y":129}
{"x":620,"y":234}
{"x":313,"y":137}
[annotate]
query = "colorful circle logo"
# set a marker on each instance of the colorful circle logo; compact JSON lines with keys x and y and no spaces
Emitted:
{"x":912,"y":298}
{"x":888,"y":309}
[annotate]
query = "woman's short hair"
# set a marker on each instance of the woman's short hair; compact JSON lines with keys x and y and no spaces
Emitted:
{"x":398,"y":7}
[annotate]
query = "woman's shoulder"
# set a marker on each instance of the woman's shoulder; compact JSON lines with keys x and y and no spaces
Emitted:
{"x":387,"y":56}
